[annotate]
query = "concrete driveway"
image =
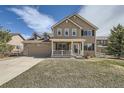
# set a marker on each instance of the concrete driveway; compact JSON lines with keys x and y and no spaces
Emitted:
{"x":13,"y":67}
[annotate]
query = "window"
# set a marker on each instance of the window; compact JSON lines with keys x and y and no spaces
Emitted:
{"x":66,"y":32}
{"x":59,"y":32}
{"x":98,"y":42}
{"x":89,"y":33}
{"x":18,"y":47}
{"x":104,"y":42}
{"x":74,"y":32}
{"x":89,"y":46}
{"x":66,"y":21}
{"x":62,"y":46}
{"x":86,"y":33}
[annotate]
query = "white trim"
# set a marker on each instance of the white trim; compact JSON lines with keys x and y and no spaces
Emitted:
{"x":59,"y":30}
{"x":82,"y":48}
{"x":71,"y":48}
{"x":74,"y":30}
{"x":66,"y":30}
{"x":78,"y":49}
{"x":67,"y":40}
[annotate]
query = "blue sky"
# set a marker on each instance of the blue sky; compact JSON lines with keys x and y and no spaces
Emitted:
{"x":26,"y":19}
{"x":14,"y":22}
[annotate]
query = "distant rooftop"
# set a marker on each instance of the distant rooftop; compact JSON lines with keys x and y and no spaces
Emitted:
{"x":13,"y":34}
{"x":102,"y":37}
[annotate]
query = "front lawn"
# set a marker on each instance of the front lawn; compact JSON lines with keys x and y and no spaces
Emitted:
{"x":72,"y":73}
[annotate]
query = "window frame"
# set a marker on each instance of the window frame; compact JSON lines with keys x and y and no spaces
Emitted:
{"x":18,"y":47}
{"x":88,"y":33}
{"x":74,"y":30}
{"x":66,"y":30}
{"x":59,"y":30}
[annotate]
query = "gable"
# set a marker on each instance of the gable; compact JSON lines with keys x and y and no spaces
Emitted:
{"x":78,"y":21}
{"x":17,"y":34}
{"x":16,"y":40}
{"x":82,"y":22}
{"x":67,"y":23}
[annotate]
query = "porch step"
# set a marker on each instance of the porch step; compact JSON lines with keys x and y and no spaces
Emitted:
{"x":79,"y":57}
{"x":60,"y":56}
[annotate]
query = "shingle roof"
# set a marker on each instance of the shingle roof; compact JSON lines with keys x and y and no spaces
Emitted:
{"x":102,"y":37}
{"x":14,"y":34}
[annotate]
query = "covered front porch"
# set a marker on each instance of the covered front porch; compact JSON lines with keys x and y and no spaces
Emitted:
{"x":67,"y":47}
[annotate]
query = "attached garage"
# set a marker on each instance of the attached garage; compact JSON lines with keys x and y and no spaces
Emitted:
{"x":37,"y":48}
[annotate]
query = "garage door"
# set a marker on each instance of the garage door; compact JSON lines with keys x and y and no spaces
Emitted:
{"x":40,"y":50}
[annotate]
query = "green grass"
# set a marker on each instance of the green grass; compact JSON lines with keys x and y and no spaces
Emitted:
{"x":71,"y":73}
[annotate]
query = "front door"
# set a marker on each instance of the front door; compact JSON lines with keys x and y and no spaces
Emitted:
{"x":76,"y":49}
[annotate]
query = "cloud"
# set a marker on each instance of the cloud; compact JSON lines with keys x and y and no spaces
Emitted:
{"x":35,"y":20}
{"x":104,"y":17}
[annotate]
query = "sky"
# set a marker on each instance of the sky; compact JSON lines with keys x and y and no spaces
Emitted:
{"x":28,"y":19}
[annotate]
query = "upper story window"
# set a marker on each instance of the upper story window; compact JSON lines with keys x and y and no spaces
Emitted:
{"x":59,"y":32}
{"x":66,"y":32}
{"x":74,"y":32}
{"x":87,"y":32}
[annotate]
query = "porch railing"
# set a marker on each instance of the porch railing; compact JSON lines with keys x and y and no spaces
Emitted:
{"x":61,"y":52}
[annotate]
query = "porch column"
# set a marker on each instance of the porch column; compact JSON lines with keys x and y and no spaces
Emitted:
{"x":78,"y":49}
{"x":71,"y":48}
{"x":52,"y":49}
{"x":82,"y":48}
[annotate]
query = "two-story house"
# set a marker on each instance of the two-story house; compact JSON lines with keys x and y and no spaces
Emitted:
{"x":72,"y":36}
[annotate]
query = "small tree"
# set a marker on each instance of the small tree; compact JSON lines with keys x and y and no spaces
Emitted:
{"x":5,"y":37}
{"x":46,"y":36}
{"x":116,"y":41}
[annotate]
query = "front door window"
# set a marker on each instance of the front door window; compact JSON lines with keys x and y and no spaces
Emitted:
{"x":76,"y":49}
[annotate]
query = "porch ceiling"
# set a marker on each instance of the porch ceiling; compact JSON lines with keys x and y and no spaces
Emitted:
{"x":68,"y":40}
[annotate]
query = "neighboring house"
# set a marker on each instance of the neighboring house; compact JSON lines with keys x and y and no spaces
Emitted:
{"x":72,"y":36}
{"x":35,"y":36}
{"x":44,"y":36}
{"x":16,"y":41}
{"x":102,"y":42}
